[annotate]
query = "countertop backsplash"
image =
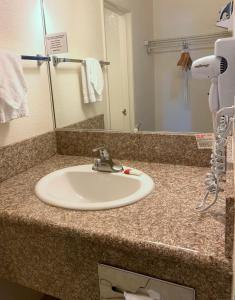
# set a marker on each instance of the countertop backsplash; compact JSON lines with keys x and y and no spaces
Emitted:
{"x":21,"y":156}
{"x":150,"y":147}
{"x":142,"y":146}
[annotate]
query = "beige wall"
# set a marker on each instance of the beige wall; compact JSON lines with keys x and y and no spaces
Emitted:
{"x":83,"y":22}
{"x":172,"y":20}
{"x":142,"y":29}
{"x":21,"y":31}
{"x":183,"y":17}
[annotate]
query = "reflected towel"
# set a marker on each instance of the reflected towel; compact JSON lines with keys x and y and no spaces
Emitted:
{"x":84,"y":84}
{"x":94,"y":81}
{"x":13,"y":88}
{"x":130,"y":296}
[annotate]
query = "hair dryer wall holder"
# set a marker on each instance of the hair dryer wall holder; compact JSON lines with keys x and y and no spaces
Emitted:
{"x":217,"y":176}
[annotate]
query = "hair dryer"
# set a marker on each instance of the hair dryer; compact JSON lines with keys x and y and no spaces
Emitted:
{"x":209,"y":67}
{"x":220,"y":69}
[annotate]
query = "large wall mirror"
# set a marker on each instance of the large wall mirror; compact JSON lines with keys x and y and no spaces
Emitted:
{"x":143,"y":40}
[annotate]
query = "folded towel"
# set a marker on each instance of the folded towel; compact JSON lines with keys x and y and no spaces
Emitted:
{"x":94,"y":85}
{"x":84,"y":84}
{"x":130,"y":296}
{"x":13,"y":88}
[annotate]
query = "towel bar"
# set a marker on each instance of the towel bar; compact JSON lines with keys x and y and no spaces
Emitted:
{"x":39,"y":58}
{"x":56,"y":60}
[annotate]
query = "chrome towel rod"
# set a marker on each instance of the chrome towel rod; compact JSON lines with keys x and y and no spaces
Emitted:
{"x":39,"y":58}
{"x":56,"y":60}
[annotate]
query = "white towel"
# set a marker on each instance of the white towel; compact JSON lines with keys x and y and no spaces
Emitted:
{"x":84,"y":84}
{"x":13,"y":88}
{"x":130,"y":296}
{"x":92,"y":80}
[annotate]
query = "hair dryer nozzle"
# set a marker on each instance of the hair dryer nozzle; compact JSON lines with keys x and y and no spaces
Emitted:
{"x":207,"y":67}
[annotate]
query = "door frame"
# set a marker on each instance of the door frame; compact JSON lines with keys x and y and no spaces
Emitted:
{"x":130,"y":67}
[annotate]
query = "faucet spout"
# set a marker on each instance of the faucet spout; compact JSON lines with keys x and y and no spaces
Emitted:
{"x":105,"y":163}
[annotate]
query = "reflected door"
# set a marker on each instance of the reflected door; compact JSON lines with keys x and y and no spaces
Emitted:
{"x":118,"y":79}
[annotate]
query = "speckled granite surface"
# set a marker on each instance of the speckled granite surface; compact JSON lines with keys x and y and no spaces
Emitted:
{"x":21,"y":156}
{"x":229,"y":228}
{"x":56,"y":251}
{"x":142,"y":146}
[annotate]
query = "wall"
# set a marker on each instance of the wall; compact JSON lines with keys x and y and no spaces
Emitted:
{"x":83,"y":22}
{"x":183,"y":17}
{"x":21,"y":31}
{"x":143,"y":71}
{"x":177,"y":19}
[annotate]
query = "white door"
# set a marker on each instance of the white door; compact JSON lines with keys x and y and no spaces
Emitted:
{"x":118,"y":76}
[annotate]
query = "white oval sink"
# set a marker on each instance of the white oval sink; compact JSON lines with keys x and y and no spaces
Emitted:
{"x":82,"y":188}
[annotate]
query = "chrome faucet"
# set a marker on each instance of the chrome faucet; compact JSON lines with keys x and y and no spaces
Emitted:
{"x":105,"y":163}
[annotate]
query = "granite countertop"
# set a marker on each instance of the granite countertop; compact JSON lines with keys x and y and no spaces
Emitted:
{"x":164,"y":223}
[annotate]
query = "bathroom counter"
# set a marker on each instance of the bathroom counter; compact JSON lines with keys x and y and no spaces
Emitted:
{"x":56,"y":251}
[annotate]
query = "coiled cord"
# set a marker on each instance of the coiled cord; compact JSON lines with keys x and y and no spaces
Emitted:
{"x":218,"y":165}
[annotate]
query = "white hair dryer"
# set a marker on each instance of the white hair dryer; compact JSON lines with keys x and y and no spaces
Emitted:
{"x":220,"y":69}
{"x":209,"y":67}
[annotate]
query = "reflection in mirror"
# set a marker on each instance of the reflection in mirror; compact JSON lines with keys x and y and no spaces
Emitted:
{"x":150,"y":45}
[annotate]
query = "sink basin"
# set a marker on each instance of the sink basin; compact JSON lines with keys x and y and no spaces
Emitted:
{"x":82,"y":188}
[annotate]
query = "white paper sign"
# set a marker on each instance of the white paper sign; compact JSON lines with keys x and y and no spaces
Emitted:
{"x":56,"y":43}
{"x":205,"y":140}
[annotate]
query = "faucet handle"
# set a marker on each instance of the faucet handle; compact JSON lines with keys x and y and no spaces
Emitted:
{"x":102,"y":147}
{"x":103,"y":152}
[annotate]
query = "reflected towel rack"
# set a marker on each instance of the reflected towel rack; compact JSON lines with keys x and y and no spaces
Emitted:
{"x":39,"y":58}
{"x":56,"y":60}
{"x":196,"y":42}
